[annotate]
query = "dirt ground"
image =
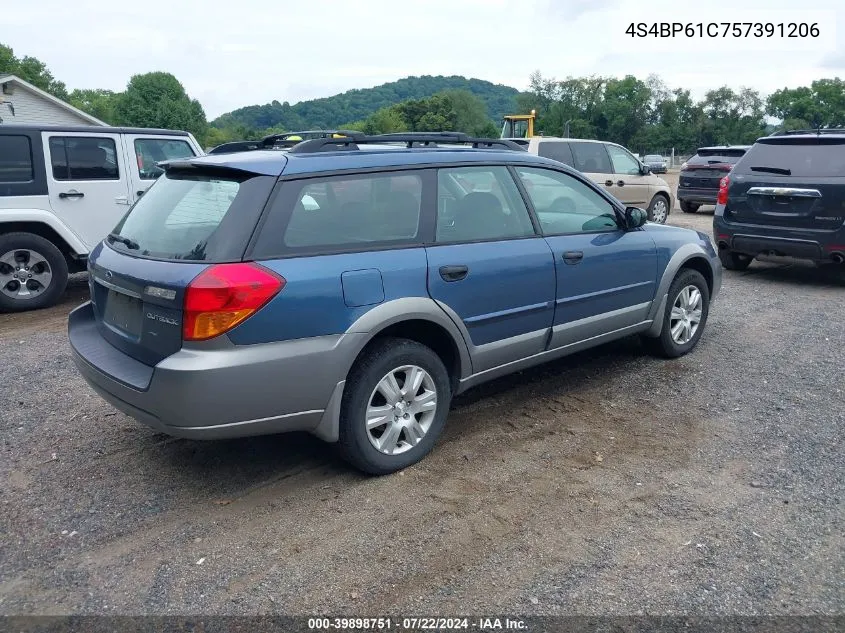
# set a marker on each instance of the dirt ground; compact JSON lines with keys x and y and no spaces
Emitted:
{"x":606,"y":483}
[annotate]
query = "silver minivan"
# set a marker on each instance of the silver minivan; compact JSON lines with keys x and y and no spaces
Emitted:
{"x":613,"y":167}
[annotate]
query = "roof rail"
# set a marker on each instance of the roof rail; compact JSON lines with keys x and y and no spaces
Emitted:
{"x":420,"y":139}
{"x":282,"y":140}
{"x":817,"y":131}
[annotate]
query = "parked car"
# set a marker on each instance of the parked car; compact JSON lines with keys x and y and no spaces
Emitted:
{"x":612,"y":167}
{"x":698,"y":181}
{"x":785,"y":196}
{"x":282,"y":141}
{"x":656,"y":163}
{"x":62,"y":189}
{"x":222,"y":306}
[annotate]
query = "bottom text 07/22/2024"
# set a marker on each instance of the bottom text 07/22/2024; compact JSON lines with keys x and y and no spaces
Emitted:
{"x":417,"y":624}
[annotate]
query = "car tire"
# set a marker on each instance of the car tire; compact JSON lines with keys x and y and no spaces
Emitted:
{"x":401,"y":439}
{"x":734,"y":261}
{"x":689,"y":296}
{"x":43,"y":285}
{"x":658,"y":209}
{"x":689,"y":207}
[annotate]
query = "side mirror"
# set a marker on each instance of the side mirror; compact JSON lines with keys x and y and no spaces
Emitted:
{"x":645,"y":170}
{"x":635,"y":217}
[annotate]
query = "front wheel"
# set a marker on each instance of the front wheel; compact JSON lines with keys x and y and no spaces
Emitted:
{"x":33,"y":272}
{"x":685,"y":316}
{"x":394,"y":406}
{"x":658,"y":209}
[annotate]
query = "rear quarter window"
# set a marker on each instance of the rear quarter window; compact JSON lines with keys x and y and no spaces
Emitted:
{"x":195,"y":216}
{"x":15,"y":159}
{"x":823,"y":159}
{"x":556,"y":151}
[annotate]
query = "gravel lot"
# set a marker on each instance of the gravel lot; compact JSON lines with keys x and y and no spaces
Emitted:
{"x":607,"y":483}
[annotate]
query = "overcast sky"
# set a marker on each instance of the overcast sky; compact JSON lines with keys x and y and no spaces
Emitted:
{"x":230,"y":54}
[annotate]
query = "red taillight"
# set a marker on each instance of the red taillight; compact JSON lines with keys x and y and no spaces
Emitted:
{"x":722,"y":198}
{"x":224,"y":295}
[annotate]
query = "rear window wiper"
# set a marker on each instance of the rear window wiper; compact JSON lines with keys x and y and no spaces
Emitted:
{"x":126,"y":241}
{"x":773,"y":170}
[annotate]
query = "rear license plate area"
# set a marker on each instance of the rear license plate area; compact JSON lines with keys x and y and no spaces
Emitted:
{"x":123,"y":313}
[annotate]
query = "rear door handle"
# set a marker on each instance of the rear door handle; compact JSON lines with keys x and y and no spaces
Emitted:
{"x":453,"y":273}
{"x":71,"y":194}
{"x":573,"y":257}
{"x":621,"y":183}
{"x":608,"y":183}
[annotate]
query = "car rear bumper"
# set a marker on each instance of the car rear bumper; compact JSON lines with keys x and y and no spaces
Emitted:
{"x":216,"y":391}
{"x":697,"y":196}
{"x":757,"y":240}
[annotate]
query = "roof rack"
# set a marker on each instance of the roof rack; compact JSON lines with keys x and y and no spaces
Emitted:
{"x":282,"y":140}
{"x":817,"y":131}
{"x":410,"y":139}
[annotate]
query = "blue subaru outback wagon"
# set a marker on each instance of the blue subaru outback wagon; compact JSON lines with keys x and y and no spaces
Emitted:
{"x":351,"y":287}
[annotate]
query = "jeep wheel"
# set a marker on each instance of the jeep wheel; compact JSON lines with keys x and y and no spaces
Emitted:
{"x":689,"y":207}
{"x":685,"y":316}
{"x":734,"y":261}
{"x":33,"y":272}
{"x":394,"y":406}
{"x":658,"y":209}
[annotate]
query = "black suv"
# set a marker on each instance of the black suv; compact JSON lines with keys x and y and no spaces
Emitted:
{"x":698,"y":182}
{"x":785,"y":196}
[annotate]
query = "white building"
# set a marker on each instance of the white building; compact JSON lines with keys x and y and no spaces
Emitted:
{"x":21,"y":102}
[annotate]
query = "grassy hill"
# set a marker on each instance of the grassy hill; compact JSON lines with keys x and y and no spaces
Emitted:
{"x":355,"y":105}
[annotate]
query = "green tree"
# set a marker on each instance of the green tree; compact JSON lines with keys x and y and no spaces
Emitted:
{"x":158,"y":100}
{"x":822,"y":104}
{"x":98,"y":103}
{"x":32,"y":70}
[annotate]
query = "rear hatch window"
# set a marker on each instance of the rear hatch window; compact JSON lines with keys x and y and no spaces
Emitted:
{"x":824,"y":158}
{"x":790,"y":182}
{"x":708,"y":166}
{"x":194,"y":215}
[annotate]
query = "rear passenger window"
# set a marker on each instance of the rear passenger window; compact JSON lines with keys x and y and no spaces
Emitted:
{"x":349,"y":211}
{"x":480,"y":203}
{"x":149,"y":151}
{"x":591,"y":158}
{"x":15,"y":159}
{"x":83,"y":158}
{"x":556,"y":150}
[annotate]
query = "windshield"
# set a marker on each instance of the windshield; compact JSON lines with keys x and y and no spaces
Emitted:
{"x":191,"y":216}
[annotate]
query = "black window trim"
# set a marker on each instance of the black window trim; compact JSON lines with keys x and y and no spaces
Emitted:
{"x":425,"y":226}
{"x":118,"y":148}
{"x":38,"y":185}
{"x":614,"y":204}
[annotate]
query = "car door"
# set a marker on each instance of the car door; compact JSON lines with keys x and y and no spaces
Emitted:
{"x":606,"y":275}
{"x":87,"y":181}
{"x":489,"y":268}
{"x":145,"y":151}
{"x":630,"y":185}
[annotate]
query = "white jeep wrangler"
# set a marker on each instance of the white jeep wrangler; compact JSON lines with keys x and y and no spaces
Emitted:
{"x":62,"y":190}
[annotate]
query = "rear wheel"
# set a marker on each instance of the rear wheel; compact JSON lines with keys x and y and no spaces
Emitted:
{"x":734,"y":261}
{"x":689,"y":207}
{"x":685,"y":316}
{"x":394,"y":406}
{"x":658,"y":209}
{"x":33,"y":272}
